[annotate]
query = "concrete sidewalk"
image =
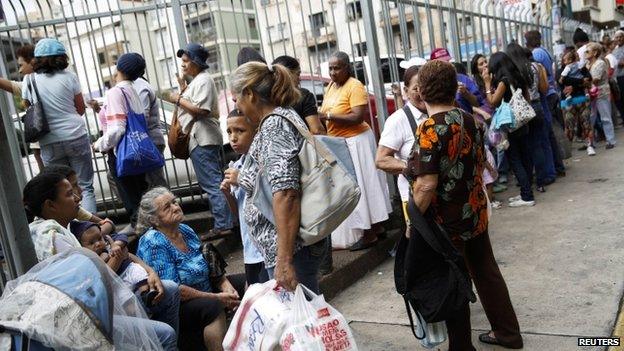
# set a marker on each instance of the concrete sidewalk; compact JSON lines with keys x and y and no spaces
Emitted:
{"x":563,"y":261}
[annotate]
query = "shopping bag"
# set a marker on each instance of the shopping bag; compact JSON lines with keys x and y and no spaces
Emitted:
{"x":136,"y":152}
{"x":316,"y":326}
{"x":260,"y":319}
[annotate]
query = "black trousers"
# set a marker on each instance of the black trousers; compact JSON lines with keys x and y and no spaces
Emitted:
{"x":130,"y":188}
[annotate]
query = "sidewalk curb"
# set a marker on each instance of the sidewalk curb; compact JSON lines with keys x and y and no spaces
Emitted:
{"x":618,"y":329}
{"x":352,"y":266}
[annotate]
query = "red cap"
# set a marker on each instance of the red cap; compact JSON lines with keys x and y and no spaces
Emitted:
{"x":440,"y":54}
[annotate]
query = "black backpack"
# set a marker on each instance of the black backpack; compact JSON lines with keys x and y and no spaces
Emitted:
{"x":429,"y":272}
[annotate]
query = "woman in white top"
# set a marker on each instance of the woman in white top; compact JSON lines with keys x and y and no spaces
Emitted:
{"x":397,"y":137}
{"x":114,"y":120}
{"x":59,"y":90}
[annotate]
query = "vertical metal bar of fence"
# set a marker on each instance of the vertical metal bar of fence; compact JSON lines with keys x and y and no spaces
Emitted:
{"x":390,"y":44}
{"x":452,"y":21}
{"x":352,"y":47}
{"x":442,"y":27}
{"x":374,"y":61}
{"x":429,"y":26}
{"x":176,"y":11}
{"x":481,"y":31}
{"x":405,"y":38}
{"x":370,"y":68}
{"x":305,"y":39}
{"x":316,"y":45}
{"x":279,"y":24}
{"x":292,"y":41}
{"x":256,"y":14}
{"x":14,"y":229}
{"x":266,"y":19}
{"x":417,"y":29}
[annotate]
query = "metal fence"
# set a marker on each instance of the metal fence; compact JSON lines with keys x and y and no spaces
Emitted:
{"x":377,"y":35}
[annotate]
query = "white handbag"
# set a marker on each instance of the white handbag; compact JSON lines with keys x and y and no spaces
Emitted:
{"x":522,"y":111}
{"x":329,"y":189}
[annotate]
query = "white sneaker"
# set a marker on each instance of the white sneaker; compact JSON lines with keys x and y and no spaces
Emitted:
{"x":522,"y":203}
{"x":515,"y":198}
{"x":591,"y":151}
{"x":496,"y":204}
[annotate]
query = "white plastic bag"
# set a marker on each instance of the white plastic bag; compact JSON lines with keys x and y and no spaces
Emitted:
{"x":316,"y":326}
{"x":260,"y":319}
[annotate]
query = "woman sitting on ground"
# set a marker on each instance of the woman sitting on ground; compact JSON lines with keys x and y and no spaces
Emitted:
{"x":174,"y":250}
{"x":51,"y":200}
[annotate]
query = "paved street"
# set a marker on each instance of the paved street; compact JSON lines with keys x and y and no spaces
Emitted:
{"x":562,"y":261}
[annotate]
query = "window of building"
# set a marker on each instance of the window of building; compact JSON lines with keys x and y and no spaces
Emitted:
{"x":359,"y":49}
{"x":278,"y":32}
{"x":101,"y":58}
{"x":590,"y":3}
{"x":213,"y":60}
{"x":317,"y":21}
{"x":251,"y":22}
{"x":265,"y":2}
{"x":354,"y":10}
{"x":465,"y":22}
{"x":163,"y":42}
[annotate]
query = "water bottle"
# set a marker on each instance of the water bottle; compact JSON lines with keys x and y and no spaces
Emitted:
{"x":435,"y":333}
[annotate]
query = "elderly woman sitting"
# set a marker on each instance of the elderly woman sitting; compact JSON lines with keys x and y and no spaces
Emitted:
{"x":174,"y":251}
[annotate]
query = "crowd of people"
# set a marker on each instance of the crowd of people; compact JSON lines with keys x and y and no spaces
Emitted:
{"x":441,"y":143}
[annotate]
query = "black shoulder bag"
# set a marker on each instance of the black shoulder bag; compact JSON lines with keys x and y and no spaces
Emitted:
{"x":410,"y":118}
{"x":34,"y":120}
{"x":429,"y":272}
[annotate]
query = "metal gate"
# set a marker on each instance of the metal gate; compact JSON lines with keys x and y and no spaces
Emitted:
{"x":378,"y":34}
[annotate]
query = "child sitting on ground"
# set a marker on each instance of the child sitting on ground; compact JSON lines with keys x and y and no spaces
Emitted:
{"x":90,"y":237}
{"x":241,"y":134}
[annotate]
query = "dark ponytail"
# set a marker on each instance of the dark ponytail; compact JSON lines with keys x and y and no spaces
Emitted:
{"x":39,"y":189}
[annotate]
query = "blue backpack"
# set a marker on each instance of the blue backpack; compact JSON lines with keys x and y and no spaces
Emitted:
{"x":136,"y":152}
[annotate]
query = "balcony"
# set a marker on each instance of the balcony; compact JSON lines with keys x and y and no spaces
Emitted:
{"x":395,"y":19}
{"x":320,"y":36}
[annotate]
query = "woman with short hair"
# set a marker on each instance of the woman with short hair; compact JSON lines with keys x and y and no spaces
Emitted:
{"x":174,"y":251}
{"x":448,"y":188}
{"x":344,"y":108}
{"x":59,"y":89}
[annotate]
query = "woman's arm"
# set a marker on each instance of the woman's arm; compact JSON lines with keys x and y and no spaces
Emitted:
{"x":423,"y":190}
{"x":80,"y":104}
{"x":188,"y":106}
{"x":386,"y":161}
{"x":287,"y":213}
{"x":315,"y":125}
{"x":229,"y":299}
{"x":543,"y":79}
{"x":355,"y":117}
{"x":495,"y":97}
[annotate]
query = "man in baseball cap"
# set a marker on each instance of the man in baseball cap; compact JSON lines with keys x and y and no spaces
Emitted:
{"x":196,"y":53}
{"x":414,"y":61}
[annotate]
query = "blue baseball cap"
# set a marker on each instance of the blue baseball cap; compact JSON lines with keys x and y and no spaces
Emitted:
{"x":49,"y":47}
{"x":197,"y":53}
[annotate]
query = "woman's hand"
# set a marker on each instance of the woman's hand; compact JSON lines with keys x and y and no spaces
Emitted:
{"x":94,"y":105}
{"x":229,"y":300}
{"x":285,"y":275}
{"x":227,"y":287}
{"x":487,"y":76}
{"x":231,"y":176}
{"x":154,"y":283}
{"x":173,"y":97}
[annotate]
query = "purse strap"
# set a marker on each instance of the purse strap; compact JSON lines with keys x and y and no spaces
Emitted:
{"x":443,"y":245}
{"x":410,"y":118}
{"x":320,"y":150}
{"x":33,"y":85}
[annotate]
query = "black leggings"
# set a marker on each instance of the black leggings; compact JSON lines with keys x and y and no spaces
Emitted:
{"x":256,"y":273}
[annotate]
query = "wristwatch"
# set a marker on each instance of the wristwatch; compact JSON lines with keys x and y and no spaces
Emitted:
{"x":178,"y":101}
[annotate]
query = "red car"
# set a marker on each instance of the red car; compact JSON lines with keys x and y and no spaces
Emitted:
{"x":317,"y":84}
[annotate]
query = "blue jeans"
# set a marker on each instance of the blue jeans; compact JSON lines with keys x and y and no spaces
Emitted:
{"x":168,"y":309}
{"x":602,"y":107}
{"x":208,"y":164}
{"x":519,"y":155}
{"x":552,"y":110}
{"x":164,"y":332}
{"x":76,"y":154}
{"x":540,"y":147}
{"x":307,"y":262}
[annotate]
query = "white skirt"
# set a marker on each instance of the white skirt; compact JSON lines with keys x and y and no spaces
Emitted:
{"x":374,"y":204}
